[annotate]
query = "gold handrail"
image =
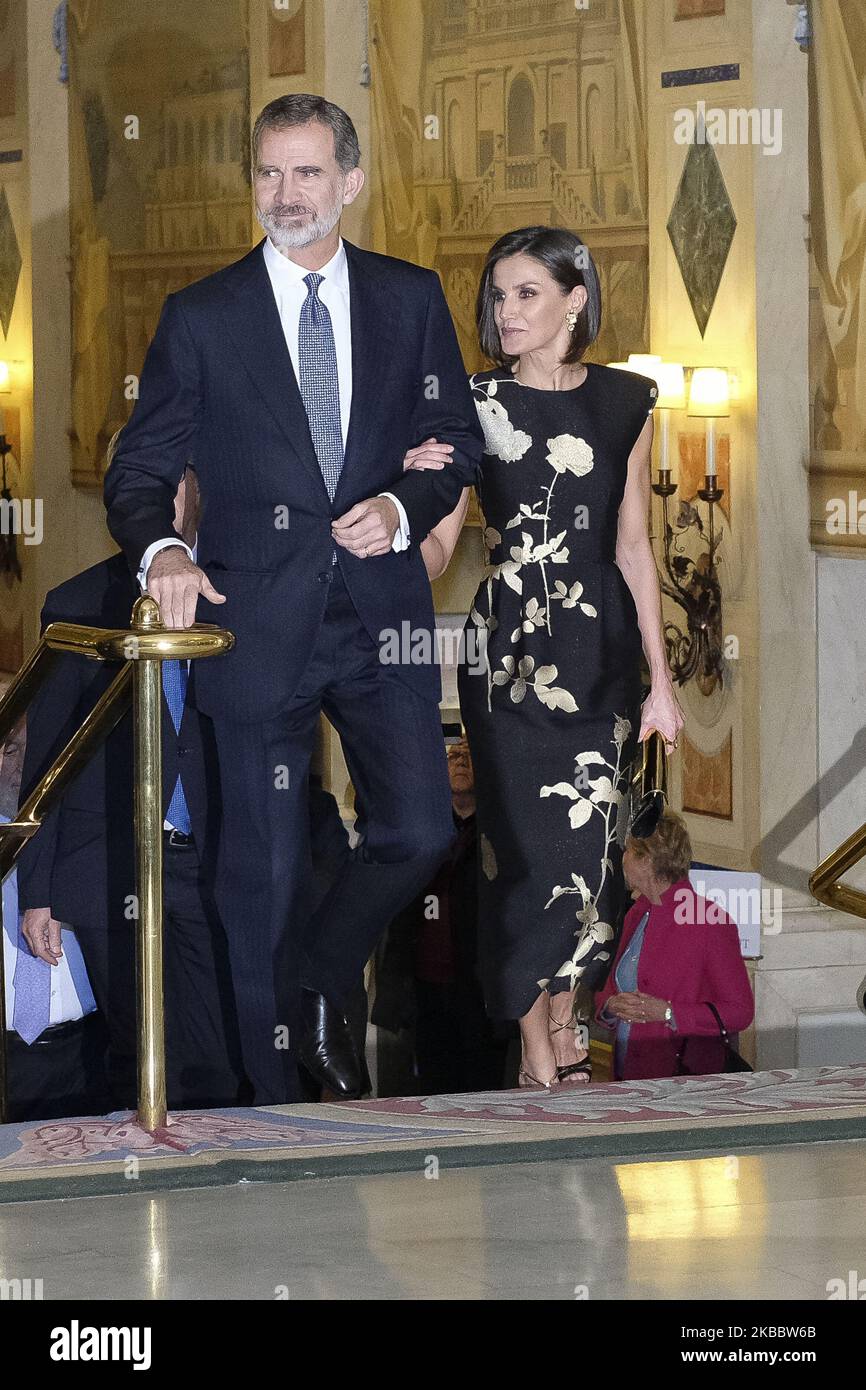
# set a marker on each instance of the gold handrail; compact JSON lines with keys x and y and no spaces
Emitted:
{"x":825,"y":885}
{"x":143,"y":648}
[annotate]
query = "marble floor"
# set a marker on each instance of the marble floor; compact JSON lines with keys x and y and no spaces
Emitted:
{"x":765,"y":1224}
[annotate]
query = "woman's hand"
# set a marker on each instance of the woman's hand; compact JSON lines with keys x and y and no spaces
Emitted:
{"x":662,"y":711}
{"x":430,"y":454}
{"x":638,"y":1008}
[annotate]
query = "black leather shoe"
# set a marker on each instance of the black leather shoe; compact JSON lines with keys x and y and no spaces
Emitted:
{"x":327,"y":1049}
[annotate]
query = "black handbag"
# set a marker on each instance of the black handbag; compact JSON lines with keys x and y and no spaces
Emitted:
{"x":648,"y":787}
{"x":733,"y":1060}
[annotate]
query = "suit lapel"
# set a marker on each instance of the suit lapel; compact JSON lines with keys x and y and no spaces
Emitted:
{"x":375,"y":314}
{"x":253,"y":323}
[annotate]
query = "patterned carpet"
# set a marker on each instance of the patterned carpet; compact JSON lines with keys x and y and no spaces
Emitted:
{"x":89,"y":1157}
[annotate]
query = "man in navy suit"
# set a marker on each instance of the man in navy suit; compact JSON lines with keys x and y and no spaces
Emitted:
{"x":80,"y":868}
{"x":297,"y":378}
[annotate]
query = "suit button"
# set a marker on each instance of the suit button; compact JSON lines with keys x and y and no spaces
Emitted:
{"x":181,"y":749}
{"x":324,"y":577}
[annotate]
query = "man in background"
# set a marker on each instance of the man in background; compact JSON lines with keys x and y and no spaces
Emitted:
{"x":425,"y":975}
{"x":56,"y":1039}
{"x":80,"y":867}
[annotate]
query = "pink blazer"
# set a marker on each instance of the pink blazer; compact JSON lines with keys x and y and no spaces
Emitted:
{"x":690,"y":954}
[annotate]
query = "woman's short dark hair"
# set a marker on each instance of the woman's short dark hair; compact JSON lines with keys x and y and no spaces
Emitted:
{"x":568,"y":260}
{"x":299,"y":108}
{"x":668,"y":849}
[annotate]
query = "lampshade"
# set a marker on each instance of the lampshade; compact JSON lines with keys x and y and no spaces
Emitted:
{"x":708,"y":394}
{"x":620,"y":366}
{"x":671,"y":381}
{"x":4,"y":376}
{"x":647,"y":363}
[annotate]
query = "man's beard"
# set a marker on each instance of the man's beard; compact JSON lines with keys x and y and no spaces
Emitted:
{"x":285,"y":234}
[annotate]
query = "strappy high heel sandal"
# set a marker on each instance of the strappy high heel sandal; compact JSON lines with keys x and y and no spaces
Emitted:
{"x":574,"y":1069}
{"x":534,"y":1081}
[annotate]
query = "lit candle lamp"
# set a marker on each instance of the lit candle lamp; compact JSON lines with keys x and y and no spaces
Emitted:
{"x":709,"y":399}
{"x":671,"y":381}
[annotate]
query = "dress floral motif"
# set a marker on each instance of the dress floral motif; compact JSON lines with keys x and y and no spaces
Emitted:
{"x":551,"y":708}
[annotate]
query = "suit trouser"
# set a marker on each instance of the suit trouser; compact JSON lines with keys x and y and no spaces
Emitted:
{"x":62,"y":1073}
{"x":392,"y":741}
{"x":203,"y":1062}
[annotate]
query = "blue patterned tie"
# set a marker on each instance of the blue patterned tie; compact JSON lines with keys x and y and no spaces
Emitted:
{"x":174,"y":678}
{"x":319,"y":384}
{"x":31,"y":978}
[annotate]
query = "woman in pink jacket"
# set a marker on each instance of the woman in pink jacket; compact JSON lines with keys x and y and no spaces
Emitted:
{"x":677,"y":953}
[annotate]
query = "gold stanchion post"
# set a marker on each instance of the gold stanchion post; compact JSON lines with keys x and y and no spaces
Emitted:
{"x":147,"y":721}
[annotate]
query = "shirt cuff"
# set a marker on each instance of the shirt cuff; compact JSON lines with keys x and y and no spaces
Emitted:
{"x":401,"y":536}
{"x":152,"y":550}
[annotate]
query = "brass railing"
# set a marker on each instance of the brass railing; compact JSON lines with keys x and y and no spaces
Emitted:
{"x":825,"y":885}
{"x":143,"y":648}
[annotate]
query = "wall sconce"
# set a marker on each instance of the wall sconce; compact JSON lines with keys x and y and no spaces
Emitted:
{"x":693,"y":584}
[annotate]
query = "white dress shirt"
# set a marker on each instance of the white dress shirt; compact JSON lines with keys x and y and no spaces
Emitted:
{"x":287,"y":283}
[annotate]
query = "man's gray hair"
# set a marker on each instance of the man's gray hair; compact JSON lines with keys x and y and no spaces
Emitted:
{"x":299,"y":108}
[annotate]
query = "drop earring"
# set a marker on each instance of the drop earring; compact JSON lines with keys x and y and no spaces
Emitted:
{"x":571,"y":320}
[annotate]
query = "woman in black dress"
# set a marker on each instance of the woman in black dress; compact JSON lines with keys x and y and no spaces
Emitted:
{"x":550,"y":678}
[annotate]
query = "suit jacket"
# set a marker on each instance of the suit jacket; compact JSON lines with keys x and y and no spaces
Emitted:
{"x":81,"y":863}
{"x":218,"y":388}
{"x":687,"y":959}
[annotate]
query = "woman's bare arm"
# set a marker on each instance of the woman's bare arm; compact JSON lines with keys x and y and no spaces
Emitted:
{"x":635,"y":558}
{"x":438,"y":547}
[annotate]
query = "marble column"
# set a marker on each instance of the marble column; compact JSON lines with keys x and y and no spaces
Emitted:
{"x":811,"y":655}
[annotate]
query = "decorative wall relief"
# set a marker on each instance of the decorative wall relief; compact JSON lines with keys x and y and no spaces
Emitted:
{"x":10,"y":263}
{"x":7,"y":61}
{"x":701,"y":227}
{"x":488,"y":117}
{"x":707,"y":779}
{"x":287,"y":38}
{"x":698,"y":9}
{"x":159,"y":185}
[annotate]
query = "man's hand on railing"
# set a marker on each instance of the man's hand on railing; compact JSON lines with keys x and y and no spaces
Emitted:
{"x":42,"y":934}
{"x":176,"y":582}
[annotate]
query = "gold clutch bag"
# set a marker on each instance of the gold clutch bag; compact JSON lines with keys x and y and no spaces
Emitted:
{"x":649,"y":786}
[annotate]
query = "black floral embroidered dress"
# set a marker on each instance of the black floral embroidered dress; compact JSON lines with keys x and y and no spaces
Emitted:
{"x":550,"y":680}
